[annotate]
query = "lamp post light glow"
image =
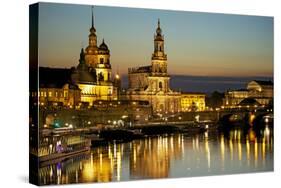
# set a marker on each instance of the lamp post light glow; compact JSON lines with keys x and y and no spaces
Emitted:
{"x":197,"y":118}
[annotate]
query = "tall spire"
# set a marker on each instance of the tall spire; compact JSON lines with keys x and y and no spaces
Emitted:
{"x":91,"y":48}
{"x":92,"y":16}
{"x":92,"y":29}
{"x":158,"y":30}
{"x":82,"y":56}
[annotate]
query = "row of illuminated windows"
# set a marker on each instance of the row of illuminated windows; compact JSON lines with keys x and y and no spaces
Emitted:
{"x":190,"y":104}
{"x":50,"y":94}
{"x":191,"y":101}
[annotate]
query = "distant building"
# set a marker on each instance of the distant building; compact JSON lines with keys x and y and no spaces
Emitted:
{"x":152,"y":82}
{"x":257,"y":93}
{"x":192,"y":102}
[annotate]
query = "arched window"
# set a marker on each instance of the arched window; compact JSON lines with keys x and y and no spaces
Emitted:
{"x":101,"y":60}
{"x":101,"y":77}
{"x":160,"y":85}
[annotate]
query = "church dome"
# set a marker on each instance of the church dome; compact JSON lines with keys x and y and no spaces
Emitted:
{"x":158,"y":31}
{"x":83,"y":77}
{"x":92,"y":31}
{"x":103,"y":46}
{"x":82,"y":73}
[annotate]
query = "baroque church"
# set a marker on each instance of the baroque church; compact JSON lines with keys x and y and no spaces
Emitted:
{"x":152,"y":82}
{"x":93,"y":75}
{"x":91,"y":80}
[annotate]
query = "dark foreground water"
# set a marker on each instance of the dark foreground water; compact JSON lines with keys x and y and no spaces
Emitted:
{"x":209,"y":153}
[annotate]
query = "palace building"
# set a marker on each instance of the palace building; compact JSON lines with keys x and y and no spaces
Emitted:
{"x":152,"y":83}
{"x":192,"y":102}
{"x":257,"y":93}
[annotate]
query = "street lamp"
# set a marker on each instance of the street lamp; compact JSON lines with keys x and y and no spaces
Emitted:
{"x":197,"y":118}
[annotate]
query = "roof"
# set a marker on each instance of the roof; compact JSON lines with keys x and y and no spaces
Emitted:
{"x":241,"y":90}
{"x":249,"y":101}
{"x":265,"y":83}
{"x":237,"y":90}
{"x":143,"y":69}
{"x":83,"y":76}
{"x":103,"y":46}
{"x":53,"y":77}
{"x":192,"y":93}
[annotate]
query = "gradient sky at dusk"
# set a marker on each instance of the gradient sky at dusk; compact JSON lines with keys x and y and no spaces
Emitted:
{"x":196,"y":43}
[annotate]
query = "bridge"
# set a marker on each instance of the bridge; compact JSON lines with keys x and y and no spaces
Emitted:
{"x":250,"y":116}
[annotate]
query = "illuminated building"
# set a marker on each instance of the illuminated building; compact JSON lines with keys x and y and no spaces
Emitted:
{"x":93,"y":77}
{"x":192,"y":102}
{"x":152,"y":83}
{"x":56,"y":89}
{"x":93,"y":73}
{"x":257,"y":93}
{"x":91,"y":80}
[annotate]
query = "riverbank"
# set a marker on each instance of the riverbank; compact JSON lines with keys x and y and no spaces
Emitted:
{"x":104,"y":137}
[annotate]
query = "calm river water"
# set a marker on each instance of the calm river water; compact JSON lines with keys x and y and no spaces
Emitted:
{"x":209,"y":153}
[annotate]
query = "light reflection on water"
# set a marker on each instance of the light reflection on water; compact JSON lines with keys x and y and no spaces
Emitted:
{"x":171,"y":156}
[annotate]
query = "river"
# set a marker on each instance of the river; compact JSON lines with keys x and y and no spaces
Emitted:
{"x":209,"y":153}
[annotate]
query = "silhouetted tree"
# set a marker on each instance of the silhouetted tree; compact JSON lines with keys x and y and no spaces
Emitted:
{"x":215,"y":100}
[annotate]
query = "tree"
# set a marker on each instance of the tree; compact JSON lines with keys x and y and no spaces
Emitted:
{"x":215,"y":100}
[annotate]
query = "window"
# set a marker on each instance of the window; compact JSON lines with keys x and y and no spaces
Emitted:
{"x":65,"y":93}
{"x":160,"y":85}
{"x":101,"y":60}
{"x":50,"y":94}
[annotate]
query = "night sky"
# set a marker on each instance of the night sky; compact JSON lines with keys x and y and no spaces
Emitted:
{"x":197,"y":44}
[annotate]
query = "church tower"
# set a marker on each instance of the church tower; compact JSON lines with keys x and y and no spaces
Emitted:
{"x":152,"y":83}
{"x":159,"y":78}
{"x":92,"y":48}
{"x":159,"y":58}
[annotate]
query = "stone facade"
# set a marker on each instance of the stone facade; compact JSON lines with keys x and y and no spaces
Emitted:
{"x":93,"y":75}
{"x":68,"y":95}
{"x":152,"y":83}
{"x":259,"y":93}
{"x":192,"y":102}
